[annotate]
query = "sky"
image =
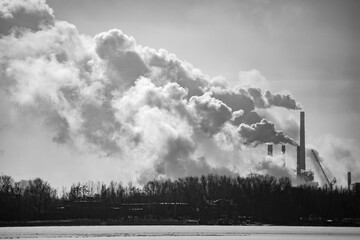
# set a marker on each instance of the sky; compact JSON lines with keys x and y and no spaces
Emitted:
{"x":305,"y":50}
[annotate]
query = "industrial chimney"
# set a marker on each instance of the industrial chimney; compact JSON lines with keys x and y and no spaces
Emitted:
{"x":298,"y":170}
{"x":349,"y":180}
{"x":283,"y":150}
{"x":301,"y":148}
{"x":270,"y":149}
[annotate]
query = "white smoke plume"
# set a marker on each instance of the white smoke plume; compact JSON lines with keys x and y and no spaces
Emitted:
{"x":20,"y":14}
{"x":287,"y":121}
{"x":274,"y":167}
{"x":263,"y":132}
{"x":110,"y":97}
{"x":281,"y":100}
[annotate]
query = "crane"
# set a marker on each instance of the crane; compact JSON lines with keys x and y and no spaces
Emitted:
{"x":330,"y":183}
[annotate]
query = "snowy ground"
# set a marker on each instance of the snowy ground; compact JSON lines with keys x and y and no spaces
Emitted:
{"x":179,"y":232}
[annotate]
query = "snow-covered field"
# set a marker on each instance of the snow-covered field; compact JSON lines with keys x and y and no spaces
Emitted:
{"x":179,"y":232}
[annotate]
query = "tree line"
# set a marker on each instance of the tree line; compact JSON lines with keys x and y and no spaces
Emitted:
{"x":262,"y":197}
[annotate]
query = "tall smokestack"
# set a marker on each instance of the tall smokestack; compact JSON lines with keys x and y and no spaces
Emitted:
{"x":301,"y":151}
{"x":349,"y":180}
{"x":270,"y":149}
{"x":298,"y":171}
{"x":283,"y":150}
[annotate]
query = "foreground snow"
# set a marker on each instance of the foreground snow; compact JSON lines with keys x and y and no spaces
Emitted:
{"x":179,"y":232}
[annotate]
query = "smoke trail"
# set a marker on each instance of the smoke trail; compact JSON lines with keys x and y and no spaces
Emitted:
{"x":110,"y":96}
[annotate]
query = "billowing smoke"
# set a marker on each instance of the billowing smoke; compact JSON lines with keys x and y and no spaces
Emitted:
{"x":263,"y":132}
{"x":211,"y":112}
{"x":143,"y":108}
{"x":281,"y":100}
{"x":31,"y":14}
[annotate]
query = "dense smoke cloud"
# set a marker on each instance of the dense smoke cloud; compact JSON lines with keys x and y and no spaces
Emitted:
{"x":263,"y":132}
{"x":110,"y":96}
{"x":281,"y":100}
{"x":30,"y":14}
{"x":211,"y":112}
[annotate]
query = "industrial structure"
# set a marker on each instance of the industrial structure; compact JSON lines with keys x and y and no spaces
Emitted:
{"x":301,"y":165}
{"x":306,"y":176}
{"x":270,"y":150}
{"x":283,"y":150}
{"x":349,"y":180}
{"x":301,"y":172}
{"x":328,"y":182}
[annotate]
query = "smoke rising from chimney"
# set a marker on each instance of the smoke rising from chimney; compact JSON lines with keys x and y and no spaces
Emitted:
{"x":263,"y":132}
{"x":109,"y":96}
